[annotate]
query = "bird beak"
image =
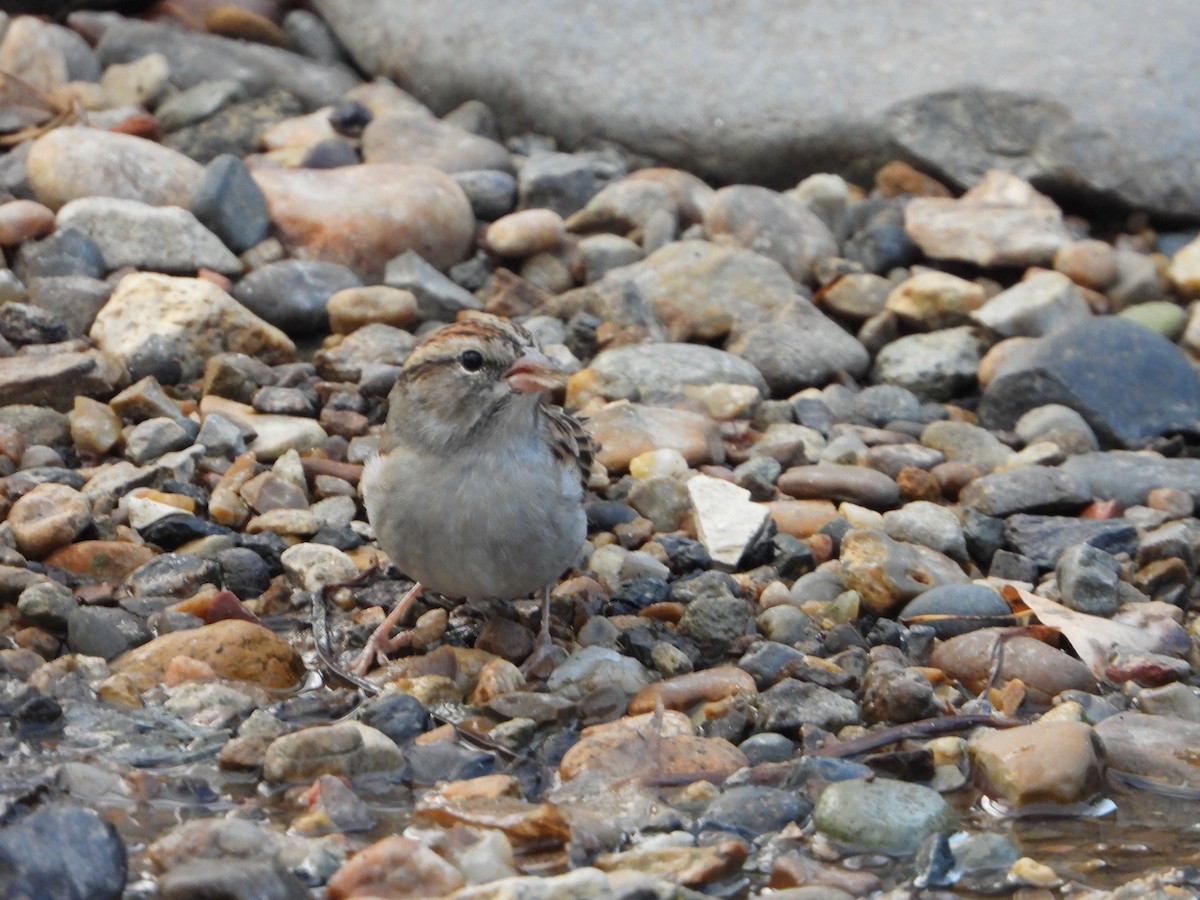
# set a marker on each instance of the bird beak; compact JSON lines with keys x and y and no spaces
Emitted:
{"x":533,"y":373}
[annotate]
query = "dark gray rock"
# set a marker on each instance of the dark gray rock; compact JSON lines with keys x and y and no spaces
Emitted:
{"x":48,"y":605}
{"x":437,"y":296}
{"x":229,"y":203}
{"x":958,"y":608}
{"x":235,"y":129}
{"x":936,"y":365}
{"x":195,"y":57}
{"x":243,"y":572}
{"x":294,"y":294}
{"x":671,"y":83}
{"x":1129,"y":477}
{"x":792,"y":703}
{"x":23,"y":323}
{"x":800,"y":347}
{"x":563,"y":182}
{"x":105,"y":631}
{"x":749,"y":810}
{"x":1129,"y":383}
{"x":231,"y":879}
{"x":1044,"y":538}
{"x":62,"y":851}
{"x":74,"y":299}
{"x":1025,"y":489}
{"x":491,"y":193}
{"x":1088,"y":580}
{"x":66,"y":252}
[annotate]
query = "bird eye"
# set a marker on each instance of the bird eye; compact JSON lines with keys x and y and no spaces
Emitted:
{"x":472,"y":360}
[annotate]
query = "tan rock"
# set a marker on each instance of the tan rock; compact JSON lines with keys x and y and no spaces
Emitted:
{"x":932,"y":300}
{"x":348,"y":749}
{"x":1002,"y":221}
{"x":1046,"y":762}
{"x":690,"y":866}
{"x":525,"y":233}
{"x":236,"y":649}
{"x":352,"y":308}
{"x":363,"y":216}
{"x":887,"y":573}
{"x":192,"y":316}
{"x":68,"y":163}
{"x":771,"y":224}
{"x":56,"y":379}
{"x":685,"y":691}
{"x":650,"y":746}
{"x":801,"y":518}
{"x":48,"y":517}
{"x":976,"y":661}
{"x":1184,"y":270}
{"x":404,"y":138}
{"x":525,"y":824}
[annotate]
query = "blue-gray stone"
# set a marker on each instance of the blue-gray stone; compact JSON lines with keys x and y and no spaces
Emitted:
{"x":62,"y":851}
{"x":229,"y":203}
{"x":1129,"y":383}
{"x":1044,"y":538}
{"x":294,"y":294}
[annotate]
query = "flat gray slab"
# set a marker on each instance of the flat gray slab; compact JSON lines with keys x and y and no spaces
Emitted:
{"x":1084,"y":98}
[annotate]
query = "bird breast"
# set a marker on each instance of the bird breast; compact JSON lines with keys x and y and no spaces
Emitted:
{"x":485,"y":524}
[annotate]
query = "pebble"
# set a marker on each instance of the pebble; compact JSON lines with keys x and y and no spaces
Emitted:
{"x":67,"y":845}
{"x":392,"y":865}
{"x":646,"y":371}
{"x":229,"y":203}
{"x":74,"y":162}
{"x":352,"y":308}
{"x":771,"y":224}
{"x":1044,"y":671}
{"x":24,"y":220}
{"x":349,"y":750}
{"x":1000,"y":222}
{"x":437,"y":296}
{"x":293,"y":294}
{"x":48,"y":517}
{"x":855,"y":484}
{"x":954,"y":609}
{"x":234,"y":648}
{"x":1042,"y":303}
{"x":930,"y":300}
{"x":525,"y":233}
{"x":1017,"y":770}
{"x":152,"y":320}
{"x":415,"y":140}
{"x":626,"y":430}
{"x":881,"y":816}
{"x":1154,"y":392}
{"x":363,"y":216}
{"x":1155,"y":750}
{"x":1025,"y":489}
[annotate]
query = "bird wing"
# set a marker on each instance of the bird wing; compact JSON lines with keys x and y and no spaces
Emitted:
{"x":570,"y":444}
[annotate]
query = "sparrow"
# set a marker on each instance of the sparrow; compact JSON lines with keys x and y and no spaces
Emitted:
{"x":476,"y":490}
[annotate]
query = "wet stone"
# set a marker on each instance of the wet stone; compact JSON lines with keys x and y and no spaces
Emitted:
{"x":350,"y":749}
{"x":1018,"y":769}
{"x":1045,"y":671}
{"x":429,"y":764}
{"x":65,"y":846}
{"x":1044,"y":538}
{"x":881,"y":816}
{"x":105,"y":632}
{"x":1155,"y":749}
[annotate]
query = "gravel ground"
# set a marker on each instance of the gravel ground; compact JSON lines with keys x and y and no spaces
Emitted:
{"x":892,"y":528}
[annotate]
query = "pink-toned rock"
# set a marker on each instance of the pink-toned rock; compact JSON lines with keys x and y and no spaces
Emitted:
{"x":68,"y":163}
{"x":352,"y":308}
{"x":48,"y":517}
{"x":976,"y":661}
{"x":24,"y":220}
{"x":625,"y":430}
{"x":395,"y":867}
{"x":363,"y":216}
{"x":650,"y":746}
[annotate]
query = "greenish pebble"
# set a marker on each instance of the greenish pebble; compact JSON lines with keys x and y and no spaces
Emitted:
{"x":1167,"y":318}
{"x":882,"y":816}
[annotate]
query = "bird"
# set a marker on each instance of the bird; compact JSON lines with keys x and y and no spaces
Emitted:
{"x":477,"y":488}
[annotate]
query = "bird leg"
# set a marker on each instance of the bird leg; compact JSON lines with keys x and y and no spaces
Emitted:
{"x":543,"y":644}
{"x":379,"y":645}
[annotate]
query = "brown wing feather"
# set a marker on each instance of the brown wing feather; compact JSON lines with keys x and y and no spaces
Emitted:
{"x":569,"y":442}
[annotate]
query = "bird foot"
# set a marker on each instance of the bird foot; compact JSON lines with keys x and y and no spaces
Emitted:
{"x":377,"y":650}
